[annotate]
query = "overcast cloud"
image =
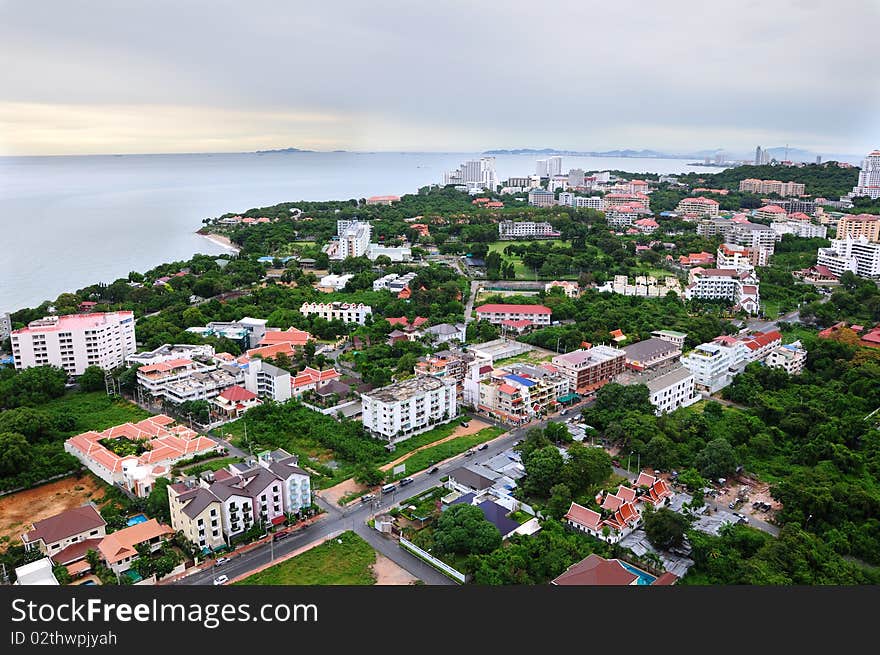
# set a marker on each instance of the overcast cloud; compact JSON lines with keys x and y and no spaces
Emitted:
{"x":186,"y":76}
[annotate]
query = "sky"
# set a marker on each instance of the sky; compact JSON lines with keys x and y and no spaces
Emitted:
{"x":149,"y":76}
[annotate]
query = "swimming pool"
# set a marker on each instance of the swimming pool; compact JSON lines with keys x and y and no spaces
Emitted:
{"x":134,"y":520}
{"x":644,"y":578}
{"x":87,"y":582}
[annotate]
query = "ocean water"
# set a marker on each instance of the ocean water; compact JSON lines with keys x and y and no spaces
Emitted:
{"x":68,"y":222}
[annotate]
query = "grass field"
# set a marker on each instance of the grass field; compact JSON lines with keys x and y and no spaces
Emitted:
{"x":522,"y":272}
{"x":531,"y":357}
{"x":430,"y":456}
{"x":331,"y":563}
{"x":94,"y":411}
{"x":213,"y":465}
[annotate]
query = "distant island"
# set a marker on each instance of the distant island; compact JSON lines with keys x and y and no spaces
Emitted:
{"x":281,"y":150}
{"x":653,"y":154}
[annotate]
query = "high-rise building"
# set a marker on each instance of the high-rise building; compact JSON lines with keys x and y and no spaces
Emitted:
{"x":476,"y":174}
{"x":758,"y":156}
{"x":576,"y":177}
{"x":5,"y":326}
{"x":76,"y":341}
{"x":869,"y":177}
{"x":549,"y":167}
{"x":353,"y":240}
{"x":859,"y":255}
{"x":860,"y":225}
{"x":752,"y":185}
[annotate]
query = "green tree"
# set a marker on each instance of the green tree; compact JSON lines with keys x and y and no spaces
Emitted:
{"x":157,"y":501}
{"x":560,"y":500}
{"x":717,"y":459}
{"x":15,"y":453}
{"x":464,"y":530}
{"x":557,"y":432}
{"x":543,"y":469}
{"x":369,"y":475}
{"x":92,"y":379}
{"x":586,"y":467}
{"x":665,"y":529}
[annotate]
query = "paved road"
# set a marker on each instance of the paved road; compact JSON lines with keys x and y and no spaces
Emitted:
{"x":753,"y":520}
{"x":469,"y":307}
{"x":765,"y":326}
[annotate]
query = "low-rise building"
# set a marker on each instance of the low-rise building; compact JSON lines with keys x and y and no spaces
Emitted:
{"x":72,"y":526}
{"x":770,"y":213}
{"x":740,"y":288}
{"x":526,"y":230}
{"x":739,"y":258}
{"x":571,"y":289}
{"x":247,"y":332}
{"x":860,"y":225}
{"x":496,"y":313}
{"x":651,"y":353}
{"x":541,"y":198}
{"x":518,"y":393}
{"x":699,"y":206}
{"x":672,"y":390}
{"x":712,"y":365}
{"x":445,"y":332}
{"x":338,"y":311}
{"x":39,"y":572}
{"x":167,"y":352}
{"x":267,"y":381}
{"x":119,"y":549}
{"x":403,"y":409}
{"x":310,"y":378}
{"x":231,"y":403}
{"x":791,"y":358}
{"x":334,"y":282}
{"x":394,"y":253}
{"x":590,"y":368}
{"x":197,"y":513}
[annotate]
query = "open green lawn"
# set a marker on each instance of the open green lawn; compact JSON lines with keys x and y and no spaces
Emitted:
{"x":430,"y":456}
{"x":213,"y":465}
{"x":94,"y":410}
{"x":523,"y":272}
{"x":499,"y":246}
{"x":331,"y":563}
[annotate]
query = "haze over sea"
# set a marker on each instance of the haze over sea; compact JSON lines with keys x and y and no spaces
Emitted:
{"x":71,"y":221}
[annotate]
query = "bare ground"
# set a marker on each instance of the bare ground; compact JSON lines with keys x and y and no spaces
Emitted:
{"x":19,"y":510}
{"x":388,"y":572}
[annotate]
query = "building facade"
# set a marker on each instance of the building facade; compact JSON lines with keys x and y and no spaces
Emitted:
{"x":672,"y":390}
{"x":861,"y":225}
{"x":75,"y":342}
{"x":588,"y":369}
{"x":338,"y":311}
{"x":772,"y":186}
{"x":699,"y":206}
{"x":869,"y":177}
{"x":410,"y":407}
{"x":859,"y":256}
{"x":496,"y":313}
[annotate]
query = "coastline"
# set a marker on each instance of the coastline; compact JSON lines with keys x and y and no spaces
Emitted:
{"x":220,"y":240}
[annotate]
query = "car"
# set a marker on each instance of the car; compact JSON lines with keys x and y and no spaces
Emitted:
{"x":732,"y":504}
{"x":281,"y":535}
{"x":405,"y":481}
{"x":469,"y":453}
{"x":482,"y":446}
{"x":220,"y":560}
{"x":563,"y":412}
{"x":221,"y":579}
{"x":367,"y":498}
{"x":464,"y":424}
{"x":433,"y":470}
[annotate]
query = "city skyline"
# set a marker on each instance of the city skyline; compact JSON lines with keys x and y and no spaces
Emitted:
{"x":99,"y":79}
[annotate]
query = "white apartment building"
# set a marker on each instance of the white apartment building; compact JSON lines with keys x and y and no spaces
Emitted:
{"x":75,"y":342}
{"x":698,"y":206}
{"x":860,"y":256}
{"x":753,"y":235}
{"x":475,"y":175}
{"x":558,"y":182}
{"x":383,"y":282}
{"x":739,"y":288}
{"x":526,"y":229}
{"x":267,"y":381}
{"x":394,"y":253}
{"x":334,"y":282}
{"x":801,"y":229}
{"x":712,"y":365}
{"x":869,"y":177}
{"x":549,"y":167}
{"x":410,"y":407}
{"x":541,"y":198}
{"x":353,"y":239}
{"x":176,"y":383}
{"x":168,"y":352}
{"x":5,"y":325}
{"x":576,"y":177}
{"x":622,"y":216}
{"x":338,"y":311}
{"x":752,"y":185}
{"x":791,"y":358}
{"x":672,"y":390}
{"x":582,"y":202}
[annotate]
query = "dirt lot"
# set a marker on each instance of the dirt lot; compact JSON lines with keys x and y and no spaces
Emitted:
{"x":19,"y":510}
{"x":389,"y":573}
{"x":333,"y":494}
{"x":474,"y":426}
{"x":758,"y":492}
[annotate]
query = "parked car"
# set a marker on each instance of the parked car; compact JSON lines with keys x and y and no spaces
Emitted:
{"x":469,"y":453}
{"x":464,"y":424}
{"x":221,"y":579}
{"x":220,"y":560}
{"x":405,"y":481}
{"x":367,"y":498}
{"x":482,"y":446}
{"x":732,"y":504}
{"x":433,"y":470}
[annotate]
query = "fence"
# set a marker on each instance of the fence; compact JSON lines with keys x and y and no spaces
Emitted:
{"x":443,"y":567}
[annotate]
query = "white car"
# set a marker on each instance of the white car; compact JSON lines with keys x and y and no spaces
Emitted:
{"x":221,"y":579}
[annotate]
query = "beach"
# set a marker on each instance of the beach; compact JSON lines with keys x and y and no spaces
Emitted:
{"x":220,"y":240}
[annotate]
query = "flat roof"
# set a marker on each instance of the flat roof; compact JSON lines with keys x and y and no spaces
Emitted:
{"x":405,"y":390}
{"x":649,"y":348}
{"x":668,"y":379}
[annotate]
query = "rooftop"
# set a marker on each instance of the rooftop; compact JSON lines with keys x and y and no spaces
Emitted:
{"x":668,"y":379}
{"x":405,"y":390}
{"x":649,"y":349}
{"x":66,"y":524}
{"x":74,"y":322}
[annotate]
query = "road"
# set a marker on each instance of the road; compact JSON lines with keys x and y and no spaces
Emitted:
{"x":766,"y":326}
{"x":469,"y":307}
{"x":354,"y":517}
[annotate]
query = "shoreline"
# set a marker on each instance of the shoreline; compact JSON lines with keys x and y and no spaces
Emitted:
{"x":222,"y":241}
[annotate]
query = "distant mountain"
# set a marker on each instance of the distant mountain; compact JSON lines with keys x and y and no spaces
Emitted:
{"x":529,"y":151}
{"x":653,"y":154}
{"x":282,"y":150}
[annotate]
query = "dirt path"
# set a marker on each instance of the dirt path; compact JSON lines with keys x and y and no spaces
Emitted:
{"x":474,"y":426}
{"x":389,"y":573}
{"x":19,"y":510}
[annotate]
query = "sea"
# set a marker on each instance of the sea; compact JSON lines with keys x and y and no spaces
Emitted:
{"x":72,"y":221}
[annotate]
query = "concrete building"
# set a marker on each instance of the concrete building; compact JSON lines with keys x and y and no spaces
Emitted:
{"x":267,"y":381}
{"x":740,"y":288}
{"x":791,"y":358}
{"x":76,"y":341}
{"x":651,"y":353}
{"x":394,"y":253}
{"x":548,"y":167}
{"x":613,"y":200}
{"x":803,"y":229}
{"x":570,"y":289}
{"x":168,"y":352}
{"x":447,"y":332}
{"x":740,"y":258}
{"x":248,"y":332}
{"x":231,"y":403}
{"x":119,"y":549}
{"x":382,"y":200}
{"x":861,"y":225}
{"x":518,"y":393}
{"x":197,"y":513}
{"x":179,"y":381}
{"x":541,"y":198}
{"x":410,"y":407}
{"x":672,"y":390}
{"x":713,"y":365}
{"x":576,"y":178}
{"x":770,"y":213}
{"x":753,"y":235}
{"x":5,"y":325}
{"x":51,"y":535}
{"x":474,"y":175}
{"x":334,"y":282}
{"x":296,"y":488}
{"x":338,"y":311}
{"x":496,"y":313}
{"x":752,"y":185}
{"x":36,"y":573}
{"x":672,"y":336}
{"x":860,"y":256}
{"x":713,"y":227}
{"x":588,"y":369}
{"x":352,"y":239}
{"x":869,"y":177}
{"x":699,"y":206}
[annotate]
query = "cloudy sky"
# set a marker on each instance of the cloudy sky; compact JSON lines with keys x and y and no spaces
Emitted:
{"x":448,"y":75}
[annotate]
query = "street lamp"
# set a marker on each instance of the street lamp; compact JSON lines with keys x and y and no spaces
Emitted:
{"x":629,"y":457}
